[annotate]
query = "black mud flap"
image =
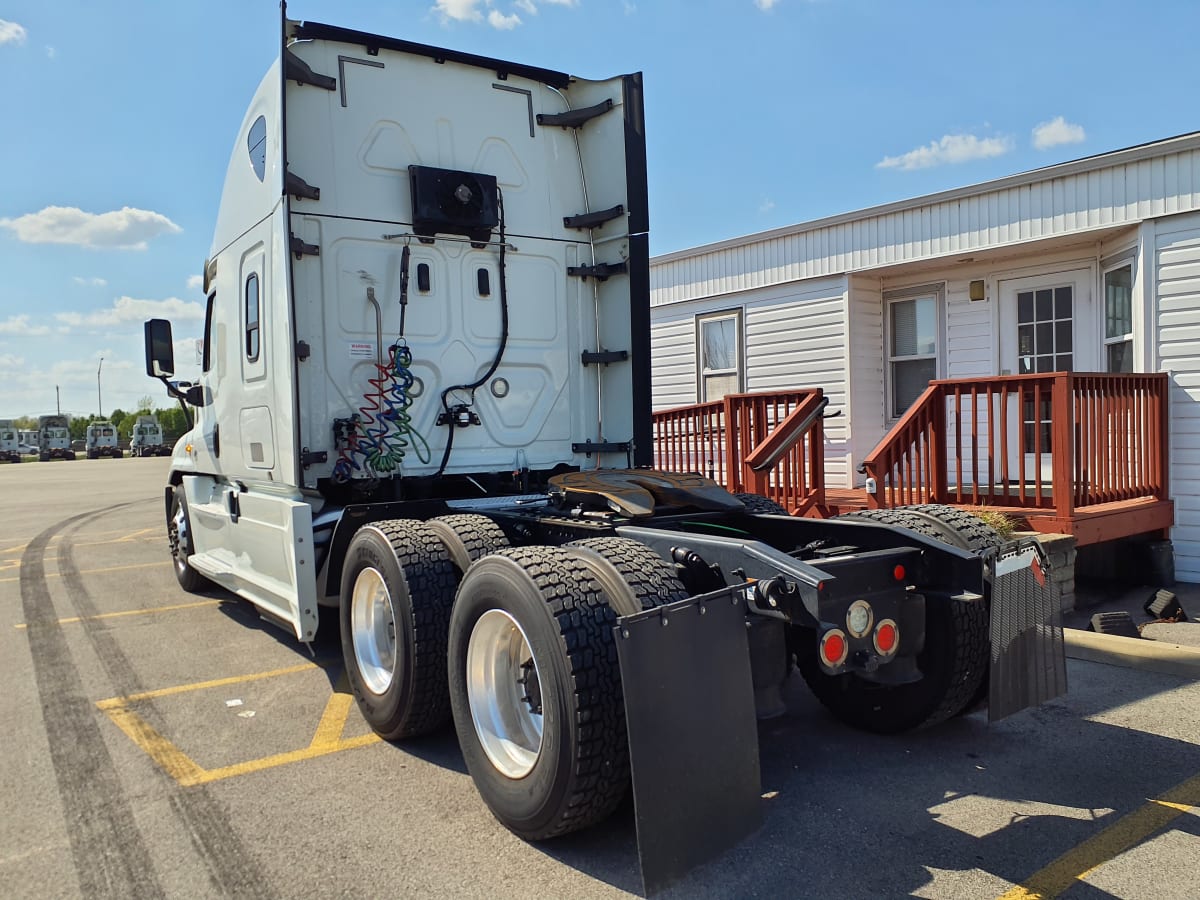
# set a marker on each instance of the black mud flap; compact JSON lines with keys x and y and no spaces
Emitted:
{"x":1028,"y":664}
{"x":693,"y":736}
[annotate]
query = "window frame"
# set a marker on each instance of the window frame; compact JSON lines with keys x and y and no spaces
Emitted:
{"x":206,"y":351}
{"x":936,"y":291}
{"x":739,"y":368}
{"x":1125,"y":261}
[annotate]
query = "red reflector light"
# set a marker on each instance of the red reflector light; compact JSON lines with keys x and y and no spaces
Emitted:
{"x":887,"y":637}
{"x":898,"y":573}
{"x":834,"y":648}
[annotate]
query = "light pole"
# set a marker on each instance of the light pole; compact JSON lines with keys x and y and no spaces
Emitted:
{"x":99,"y":401}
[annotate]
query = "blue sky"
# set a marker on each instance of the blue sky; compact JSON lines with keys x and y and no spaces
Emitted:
{"x":118,"y":119}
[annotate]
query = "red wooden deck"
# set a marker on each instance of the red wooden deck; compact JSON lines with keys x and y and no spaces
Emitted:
{"x":1070,"y":453}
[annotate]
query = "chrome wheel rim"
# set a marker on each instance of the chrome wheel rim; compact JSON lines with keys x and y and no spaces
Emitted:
{"x":373,"y":631}
{"x":177,"y":537}
{"x":504,"y":694}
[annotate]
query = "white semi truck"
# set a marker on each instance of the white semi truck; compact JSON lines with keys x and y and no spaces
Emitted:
{"x":100,"y":439}
{"x":146,"y":438}
{"x":54,"y":438}
{"x":10,"y":445}
{"x":424,"y":408}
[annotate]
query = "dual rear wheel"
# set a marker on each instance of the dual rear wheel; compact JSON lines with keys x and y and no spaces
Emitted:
{"x":442,"y":619}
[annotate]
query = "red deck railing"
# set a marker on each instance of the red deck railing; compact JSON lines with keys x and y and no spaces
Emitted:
{"x":770,"y":444}
{"x":1058,"y":442}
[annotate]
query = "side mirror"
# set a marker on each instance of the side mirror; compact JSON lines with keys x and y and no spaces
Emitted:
{"x":160,"y":350}
{"x":195,"y":395}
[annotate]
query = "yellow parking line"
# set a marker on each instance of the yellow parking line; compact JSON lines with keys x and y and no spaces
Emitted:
{"x":281,"y":759}
{"x":166,"y":755}
{"x":114,"y":702}
{"x":165,"y":562}
{"x":181,"y":767}
{"x":1128,"y":831}
{"x":333,"y":720}
{"x":132,"y":612}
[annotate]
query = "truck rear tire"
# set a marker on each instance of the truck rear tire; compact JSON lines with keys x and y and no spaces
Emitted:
{"x":536,"y":691}
{"x":757,"y":503}
{"x":953,"y":661}
{"x":397,"y":591}
{"x":467,"y":537}
{"x":969,"y":532}
{"x":179,"y":537}
{"x":964,"y":529}
{"x":632,"y":575}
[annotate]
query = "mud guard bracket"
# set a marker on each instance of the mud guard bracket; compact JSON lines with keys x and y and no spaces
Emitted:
{"x":693,"y":736}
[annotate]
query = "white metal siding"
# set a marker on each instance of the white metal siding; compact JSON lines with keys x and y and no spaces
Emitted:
{"x":801,"y":343}
{"x":673,"y":360}
{"x":865,"y":414}
{"x":1177,"y":309}
{"x":1088,"y":195}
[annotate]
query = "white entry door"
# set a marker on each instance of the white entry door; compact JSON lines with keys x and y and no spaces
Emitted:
{"x":1048,"y":323}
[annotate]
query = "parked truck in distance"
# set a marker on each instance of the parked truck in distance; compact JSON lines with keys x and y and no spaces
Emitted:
{"x":146,"y":438}
{"x":10,"y":445}
{"x":54,"y":438}
{"x":101,"y":440}
{"x":423,"y":421}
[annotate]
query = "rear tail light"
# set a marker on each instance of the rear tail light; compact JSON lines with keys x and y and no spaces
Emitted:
{"x":834,"y":647}
{"x":886,"y":638}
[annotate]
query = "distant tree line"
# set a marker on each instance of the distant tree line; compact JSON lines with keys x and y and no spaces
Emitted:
{"x":171,"y":419}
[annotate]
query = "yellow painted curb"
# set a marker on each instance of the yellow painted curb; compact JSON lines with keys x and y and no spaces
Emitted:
{"x":1133,"y":653}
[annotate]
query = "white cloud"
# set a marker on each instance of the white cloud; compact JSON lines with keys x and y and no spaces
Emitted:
{"x":765,"y":4}
{"x":123,"y":229}
{"x":766,"y":206}
{"x":458,"y":11}
{"x":1057,"y":131}
{"x":10,"y":362}
{"x":127,"y":309}
{"x":19,"y":325}
{"x":51,"y":53}
{"x":480,"y":11}
{"x":195,"y":282}
{"x":951,"y":148}
{"x":502,"y":22}
{"x":90,"y":282}
{"x":11,"y":33}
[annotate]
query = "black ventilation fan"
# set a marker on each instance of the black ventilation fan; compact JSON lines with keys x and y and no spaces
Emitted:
{"x":446,"y":201}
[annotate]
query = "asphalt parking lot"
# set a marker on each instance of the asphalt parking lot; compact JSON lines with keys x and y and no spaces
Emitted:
{"x":158,"y":743}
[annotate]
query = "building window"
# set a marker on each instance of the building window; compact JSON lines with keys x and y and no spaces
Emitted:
{"x":252,"y":318}
{"x":912,"y":348}
{"x":1045,"y":324}
{"x":719,"y":348}
{"x":1118,"y":319}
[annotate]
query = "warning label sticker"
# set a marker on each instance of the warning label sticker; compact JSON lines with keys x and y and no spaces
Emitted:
{"x":362,"y":350}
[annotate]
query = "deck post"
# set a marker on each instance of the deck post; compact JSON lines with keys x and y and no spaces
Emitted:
{"x":1062,"y":452}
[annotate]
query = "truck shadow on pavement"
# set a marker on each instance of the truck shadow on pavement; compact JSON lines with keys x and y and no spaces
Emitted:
{"x":962,"y":810}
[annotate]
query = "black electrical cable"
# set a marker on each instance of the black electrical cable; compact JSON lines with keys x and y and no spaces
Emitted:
{"x":404,"y":257}
{"x":449,"y":417}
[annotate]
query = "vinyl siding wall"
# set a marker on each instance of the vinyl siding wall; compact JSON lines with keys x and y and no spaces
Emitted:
{"x":1177,"y":317}
{"x":794,"y":336}
{"x":1064,"y":201}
